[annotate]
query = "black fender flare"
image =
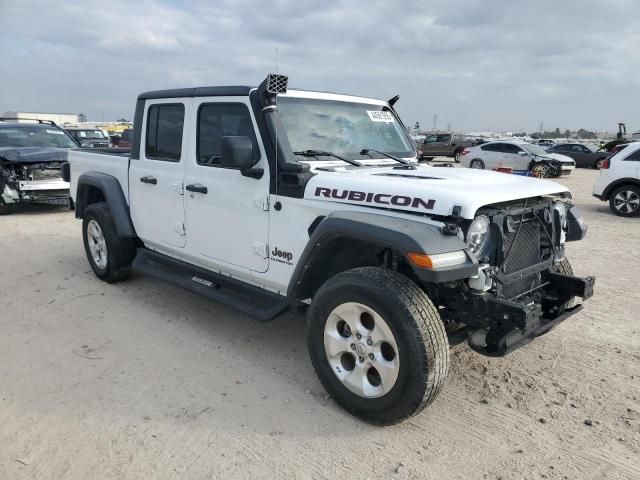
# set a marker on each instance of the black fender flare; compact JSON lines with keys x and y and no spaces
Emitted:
{"x":401,"y":235}
{"x":114,"y":196}
{"x":615,"y":184}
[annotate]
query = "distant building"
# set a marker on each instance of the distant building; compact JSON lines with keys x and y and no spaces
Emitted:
{"x":58,"y":118}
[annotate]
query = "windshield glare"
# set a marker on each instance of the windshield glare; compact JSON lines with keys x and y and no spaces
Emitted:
{"x":344,"y":128}
{"x":534,"y":149}
{"x":90,"y":134}
{"x":35,"y":137}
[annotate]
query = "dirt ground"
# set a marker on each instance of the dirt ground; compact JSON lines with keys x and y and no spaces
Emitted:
{"x":144,"y":380}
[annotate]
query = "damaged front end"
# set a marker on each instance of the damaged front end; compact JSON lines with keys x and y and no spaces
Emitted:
{"x":32,"y":182}
{"x":525,"y":285}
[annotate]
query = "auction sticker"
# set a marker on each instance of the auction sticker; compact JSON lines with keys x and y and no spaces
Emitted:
{"x":380,"y":116}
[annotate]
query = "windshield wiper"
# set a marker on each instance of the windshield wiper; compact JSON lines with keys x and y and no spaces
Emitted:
{"x":366,"y":151}
{"x":323,"y":153}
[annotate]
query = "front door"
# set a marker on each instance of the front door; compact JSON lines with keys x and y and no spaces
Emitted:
{"x":155,"y":179}
{"x":227,"y":217}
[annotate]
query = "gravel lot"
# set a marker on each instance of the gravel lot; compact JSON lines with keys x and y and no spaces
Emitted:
{"x":143,"y":380}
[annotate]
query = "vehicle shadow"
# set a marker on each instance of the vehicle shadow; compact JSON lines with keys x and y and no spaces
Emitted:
{"x":38,"y":209}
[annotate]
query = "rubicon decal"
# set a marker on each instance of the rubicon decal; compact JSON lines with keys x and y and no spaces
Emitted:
{"x":377,"y":198}
{"x":281,"y":256}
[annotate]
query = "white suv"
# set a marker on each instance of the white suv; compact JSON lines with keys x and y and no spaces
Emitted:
{"x":619,"y":182}
{"x":518,"y":157}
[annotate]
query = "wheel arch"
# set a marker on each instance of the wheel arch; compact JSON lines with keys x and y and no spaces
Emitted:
{"x":96,"y":187}
{"x":606,"y":195}
{"x":346,"y":240}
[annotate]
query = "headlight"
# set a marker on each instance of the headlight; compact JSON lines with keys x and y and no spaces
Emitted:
{"x":561,"y":208}
{"x":478,"y":236}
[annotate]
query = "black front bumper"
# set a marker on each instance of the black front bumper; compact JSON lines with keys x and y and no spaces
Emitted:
{"x":498,"y":326}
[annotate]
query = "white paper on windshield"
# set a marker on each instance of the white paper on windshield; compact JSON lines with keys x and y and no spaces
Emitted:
{"x":57,"y":132}
{"x":380,"y":116}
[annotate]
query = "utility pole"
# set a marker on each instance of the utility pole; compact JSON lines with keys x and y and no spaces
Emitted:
{"x":435,"y":121}
{"x":541,"y":129}
{"x":448,"y":127}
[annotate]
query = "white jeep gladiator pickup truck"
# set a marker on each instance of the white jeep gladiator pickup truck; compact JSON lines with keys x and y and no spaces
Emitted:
{"x":271,"y":200}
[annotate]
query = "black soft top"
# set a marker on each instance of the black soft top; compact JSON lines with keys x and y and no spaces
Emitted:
{"x":225,"y":91}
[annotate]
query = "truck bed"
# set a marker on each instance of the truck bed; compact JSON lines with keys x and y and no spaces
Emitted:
{"x":108,"y":163}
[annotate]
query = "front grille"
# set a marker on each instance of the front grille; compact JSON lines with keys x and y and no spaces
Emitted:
{"x":523,"y":250}
{"x":100,"y":145}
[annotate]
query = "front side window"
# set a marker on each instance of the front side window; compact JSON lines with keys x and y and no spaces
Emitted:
{"x":165,"y":123}
{"x":509,"y":148}
{"x":217,"y":120}
{"x":342,"y":127}
{"x":431,"y":139}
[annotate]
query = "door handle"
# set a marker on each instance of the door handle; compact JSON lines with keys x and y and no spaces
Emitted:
{"x":197,"y":188}
{"x":149,"y":179}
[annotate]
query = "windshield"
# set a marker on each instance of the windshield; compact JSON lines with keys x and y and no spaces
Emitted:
{"x":89,"y":134}
{"x":534,"y":149}
{"x":35,"y":136}
{"x":344,"y":128}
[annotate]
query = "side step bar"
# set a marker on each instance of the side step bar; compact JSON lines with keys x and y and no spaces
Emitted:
{"x":246,"y":298}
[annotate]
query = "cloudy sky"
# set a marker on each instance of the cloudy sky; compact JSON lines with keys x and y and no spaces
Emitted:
{"x":477,"y":64}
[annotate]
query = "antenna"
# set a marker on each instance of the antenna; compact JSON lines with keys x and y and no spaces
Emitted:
{"x":277,"y":125}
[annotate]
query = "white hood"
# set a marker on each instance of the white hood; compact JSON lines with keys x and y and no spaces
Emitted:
{"x":428,"y":190}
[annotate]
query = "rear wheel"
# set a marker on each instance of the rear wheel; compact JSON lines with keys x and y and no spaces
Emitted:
{"x":377,"y":344}
{"x":625,"y":201}
{"x":109,"y":255}
{"x":457,"y":156}
{"x":477,"y":163}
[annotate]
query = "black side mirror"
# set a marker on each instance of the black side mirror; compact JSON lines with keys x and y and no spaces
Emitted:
{"x":237,"y":152}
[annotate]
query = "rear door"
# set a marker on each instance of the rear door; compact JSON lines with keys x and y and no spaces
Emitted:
{"x":227,"y":213}
{"x":155,"y":179}
{"x":492,"y":155}
{"x":442,"y":144}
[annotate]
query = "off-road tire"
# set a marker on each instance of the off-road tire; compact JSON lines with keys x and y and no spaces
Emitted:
{"x":5,"y":209}
{"x":423,"y":348}
{"x":479,"y":164}
{"x":120,"y":251}
{"x":631,"y":190}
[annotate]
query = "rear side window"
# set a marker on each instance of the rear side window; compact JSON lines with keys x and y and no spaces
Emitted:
{"x":492,"y":147}
{"x":444,"y":138}
{"x":164,"y":132}
{"x":635,"y":156}
{"x":217,"y":120}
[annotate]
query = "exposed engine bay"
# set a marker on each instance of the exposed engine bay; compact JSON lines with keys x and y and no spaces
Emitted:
{"x":32,"y":182}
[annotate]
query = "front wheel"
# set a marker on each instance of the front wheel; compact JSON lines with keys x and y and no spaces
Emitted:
{"x":599,"y":163}
{"x":5,"y":208}
{"x":377,"y":344}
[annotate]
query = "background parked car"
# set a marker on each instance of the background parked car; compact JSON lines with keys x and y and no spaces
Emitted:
{"x":585,"y":156}
{"x":89,"y":137}
{"x":31,"y":159}
{"x":444,"y":144}
{"x":124,"y":140}
{"x":522,"y":158}
{"x":619,"y":181}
